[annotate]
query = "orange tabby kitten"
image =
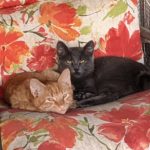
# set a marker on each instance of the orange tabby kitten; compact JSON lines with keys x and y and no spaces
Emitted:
{"x":46,"y":91}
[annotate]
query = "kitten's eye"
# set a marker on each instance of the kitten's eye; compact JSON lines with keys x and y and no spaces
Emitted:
{"x":68,"y":61}
{"x":82,"y":61}
{"x":65,"y":95}
{"x":49,"y":98}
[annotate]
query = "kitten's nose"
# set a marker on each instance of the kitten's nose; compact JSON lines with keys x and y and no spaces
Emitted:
{"x":76,"y":69}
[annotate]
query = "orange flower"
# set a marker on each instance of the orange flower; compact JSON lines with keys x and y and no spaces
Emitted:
{"x":61,"y":19}
{"x":60,"y":129}
{"x":11,"y":50}
{"x":10,"y":129}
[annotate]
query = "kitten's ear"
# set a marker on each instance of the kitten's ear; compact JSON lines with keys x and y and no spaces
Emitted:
{"x":89,"y":48}
{"x":36,"y":87}
{"x":62,"y":49}
{"x":65,"y":78}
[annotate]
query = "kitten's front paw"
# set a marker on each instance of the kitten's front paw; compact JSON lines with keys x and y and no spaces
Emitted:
{"x":87,"y":95}
{"x":83,"y":95}
{"x":82,"y":104}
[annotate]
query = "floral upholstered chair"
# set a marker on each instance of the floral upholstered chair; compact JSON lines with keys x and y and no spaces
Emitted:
{"x":29,"y":31}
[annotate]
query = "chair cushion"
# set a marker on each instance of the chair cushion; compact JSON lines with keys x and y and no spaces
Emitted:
{"x":121,"y":125}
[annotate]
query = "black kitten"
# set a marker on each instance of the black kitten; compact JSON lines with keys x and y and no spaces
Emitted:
{"x":101,"y":80}
{"x":80,"y":61}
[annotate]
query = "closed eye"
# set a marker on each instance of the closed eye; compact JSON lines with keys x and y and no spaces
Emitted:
{"x":65,"y":95}
{"x":50,"y":98}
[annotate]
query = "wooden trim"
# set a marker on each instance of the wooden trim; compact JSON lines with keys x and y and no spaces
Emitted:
{"x":145,"y":33}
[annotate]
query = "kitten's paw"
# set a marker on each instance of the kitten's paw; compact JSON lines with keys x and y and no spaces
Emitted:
{"x":80,"y":95}
{"x":82,"y":104}
{"x":87,"y":95}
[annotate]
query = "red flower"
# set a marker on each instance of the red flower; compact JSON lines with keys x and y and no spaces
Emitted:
{"x":46,"y":39}
{"x":1,"y":58}
{"x":51,"y":146}
{"x":60,"y":128}
{"x":43,"y":58}
{"x":135,"y":2}
{"x":61,"y":131}
{"x":61,"y":19}
{"x":11,"y":128}
{"x":118,"y":42}
{"x":42,"y":31}
{"x":137,"y":101}
{"x":137,"y":98}
{"x":138,"y":136}
{"x":128,"y":122}
{"x":8,"y":7}
{"x":13,"y":3}
{"x":11,"y":50}
{"x":10,"y":10}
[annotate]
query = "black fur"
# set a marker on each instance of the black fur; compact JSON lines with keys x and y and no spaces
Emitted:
{"x":104,"y":79}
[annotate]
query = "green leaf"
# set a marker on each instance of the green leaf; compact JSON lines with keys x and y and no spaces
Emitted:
{"x":31,"y":13}
{"x":81,"y":10}
{"x":86,"y":30}
{"x":80,"y":135}
{"x":34,"y":32}
{"x":37,"y":142}
{"x":31,"y":7}
{"x":69,"y":4}
{"x":15,"y":67}
{"x":11,"y":20}
{"x":1,"y":22}
{"x":148,"y":113}
{"x":118,"y":9}
{"x":33,"y":139}
{"x":83,"y":122}
{"x":91,"y":129}
{"x":39,"y":132}
{"x":85,"y":119}
{"x":28,"y":137}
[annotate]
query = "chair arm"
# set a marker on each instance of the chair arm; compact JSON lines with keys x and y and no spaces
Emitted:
{"x":145,"y":34}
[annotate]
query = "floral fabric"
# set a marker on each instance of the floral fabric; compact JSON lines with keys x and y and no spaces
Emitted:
{"x":122,"y":125}
{"x":28,"y":37}
{"x":29,"y":33}
{"x":13,"y":3}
